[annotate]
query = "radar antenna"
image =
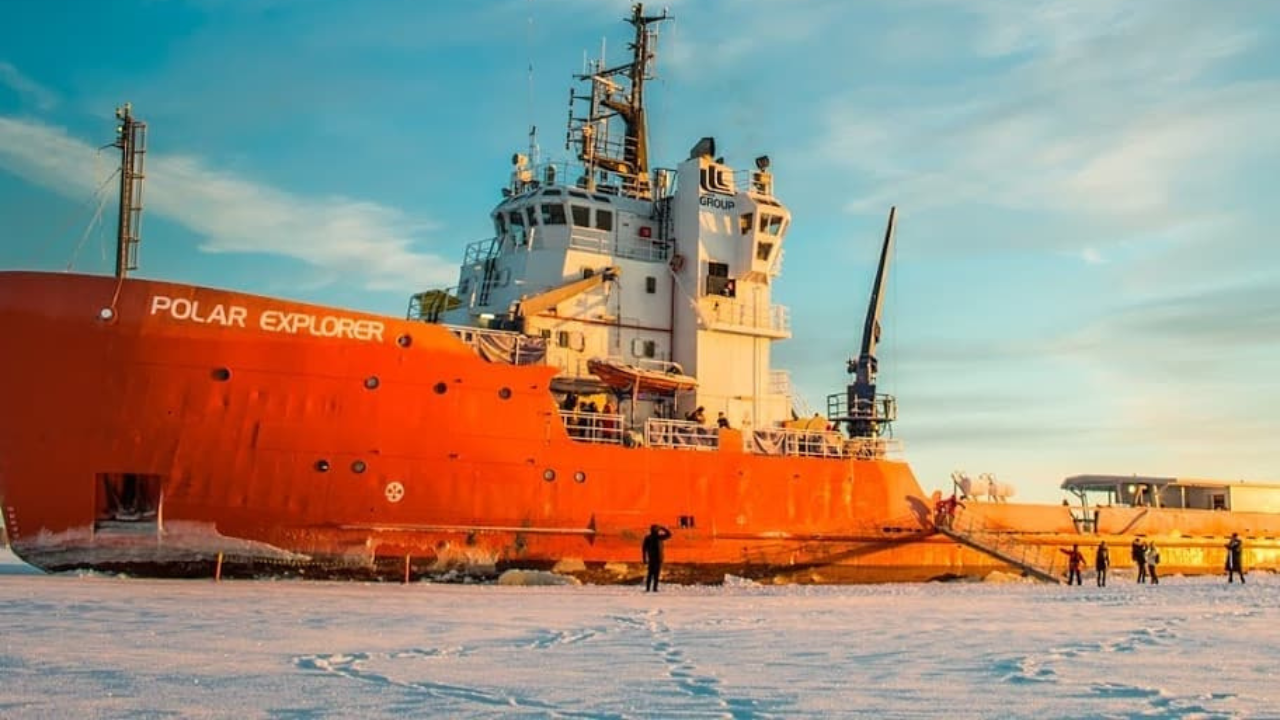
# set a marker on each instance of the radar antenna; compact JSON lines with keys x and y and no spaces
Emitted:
{"x":628,"y":156}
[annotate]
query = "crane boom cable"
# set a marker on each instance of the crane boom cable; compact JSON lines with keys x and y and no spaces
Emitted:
{"x":95,"y":222}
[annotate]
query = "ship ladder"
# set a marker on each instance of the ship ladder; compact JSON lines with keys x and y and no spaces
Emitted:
{"x":970,"y":528}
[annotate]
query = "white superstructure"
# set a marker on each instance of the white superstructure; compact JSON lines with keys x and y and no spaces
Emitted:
{"x":670,"y":269}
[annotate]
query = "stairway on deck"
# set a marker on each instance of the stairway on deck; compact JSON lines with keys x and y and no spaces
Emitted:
{"x":970,"y":528}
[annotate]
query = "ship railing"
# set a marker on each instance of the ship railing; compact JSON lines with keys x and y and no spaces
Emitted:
{"x":883,"y":409}
{"x":780,"y":384}
{"x":797,"y":442}
{"x":754,"y":181}
{"x":680,"y":434}
{"x":605,"y":243}
{"x":722,"y":311}
{"x":973,"y":525}
{"x":531,"y":178}
{"x":872,"y":448}
{"x":502,"y":346}
{"x":594,"y":427}
{"x":479,"y":251}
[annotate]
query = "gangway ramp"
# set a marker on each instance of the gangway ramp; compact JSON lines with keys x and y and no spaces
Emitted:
{"x":970,"y":528}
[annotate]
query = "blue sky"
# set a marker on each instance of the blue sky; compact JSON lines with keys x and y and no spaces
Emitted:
{"x":1088,"y":272}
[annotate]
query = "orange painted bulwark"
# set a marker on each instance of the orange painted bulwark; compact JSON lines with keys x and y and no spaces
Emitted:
{"x":295,"y":437}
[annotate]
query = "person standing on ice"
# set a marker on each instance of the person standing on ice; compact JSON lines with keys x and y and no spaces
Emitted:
{"x":1139,"y":552}
{"x":1235,"y":558}
{"x":1102,"y":561}
{"x":1075,"y":561}
{"x":1153,"y":559}
{"x":651,"y":553}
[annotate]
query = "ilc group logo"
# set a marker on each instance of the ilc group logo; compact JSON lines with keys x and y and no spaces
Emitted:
{"x":715,"y":179}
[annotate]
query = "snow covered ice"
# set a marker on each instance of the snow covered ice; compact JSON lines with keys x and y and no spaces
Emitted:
{"x":98,"y":646}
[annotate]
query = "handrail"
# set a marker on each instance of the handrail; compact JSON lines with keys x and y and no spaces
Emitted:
{"x":594,"y":427}
{"x":972,"y":528}
{"x":683,"y":434}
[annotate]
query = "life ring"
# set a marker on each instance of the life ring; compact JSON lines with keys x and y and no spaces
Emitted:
{"x":677,"y":262}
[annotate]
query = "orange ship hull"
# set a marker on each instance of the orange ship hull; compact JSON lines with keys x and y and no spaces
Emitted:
{"x":280,"y":437}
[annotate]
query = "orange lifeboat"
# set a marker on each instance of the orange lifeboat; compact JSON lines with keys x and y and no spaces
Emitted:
{"x":631,"y":378}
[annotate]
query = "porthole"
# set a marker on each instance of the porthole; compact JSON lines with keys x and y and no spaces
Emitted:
{"x":322,"y":465}
{"x":441,"y":388}
{"x":371,"y":382}
{"x":505,"y":393}
{"x":106,"y":314}
{"x":548,"y":474}
{"x":404,"y":341}
{"x":221,"y":374}
{"x":358,"y":467}
{"x":579,"y":477}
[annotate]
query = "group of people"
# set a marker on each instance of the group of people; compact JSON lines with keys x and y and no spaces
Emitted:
{"x":580,"y":424}
{"x":1076,"y":563}
{"x":1146,"y":558}
{"x":699,"y":415}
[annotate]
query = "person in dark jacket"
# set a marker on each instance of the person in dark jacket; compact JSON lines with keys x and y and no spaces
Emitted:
{"x":1139,"y":553}
{"x":1235,"y":558}
{"x":1102,"y":561}
{"x":651,"y":553}
{"x":1075,"y":561}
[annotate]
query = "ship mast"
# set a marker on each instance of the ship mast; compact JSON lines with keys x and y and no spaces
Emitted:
{"x":629,"y":157}
{"x":869,"y":415}
{"x":131,"y":138}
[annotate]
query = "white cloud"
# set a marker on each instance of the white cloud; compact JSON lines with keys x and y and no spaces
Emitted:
{"x":43,"y":98}
{"x":348,"y":237}
{"x":1123,"y":114}
{"x":1092,"y":256}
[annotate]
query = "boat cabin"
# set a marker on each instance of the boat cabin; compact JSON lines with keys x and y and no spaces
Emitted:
{"x":1177,"y":493}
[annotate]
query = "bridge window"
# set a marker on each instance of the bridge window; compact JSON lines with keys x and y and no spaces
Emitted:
{"x":770,"y":224}
{"x":651,"y":284}
{"x":604,"y":219}
{"x":553,"y":214}
{"x":581,"y":215}
{"x":517,"y":226}
{"x":745,"y":221}
{"x":532,"y":212}
{"x":764,"y":250}
{"x":718,"y":282}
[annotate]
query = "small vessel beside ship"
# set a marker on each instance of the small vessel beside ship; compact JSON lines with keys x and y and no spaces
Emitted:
{"x":536,"y":415}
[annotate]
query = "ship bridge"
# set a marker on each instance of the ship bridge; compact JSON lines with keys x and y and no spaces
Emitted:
{"x":604,"y":257}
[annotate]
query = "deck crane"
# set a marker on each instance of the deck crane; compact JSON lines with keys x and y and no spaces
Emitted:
{"x":864,"y":413}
